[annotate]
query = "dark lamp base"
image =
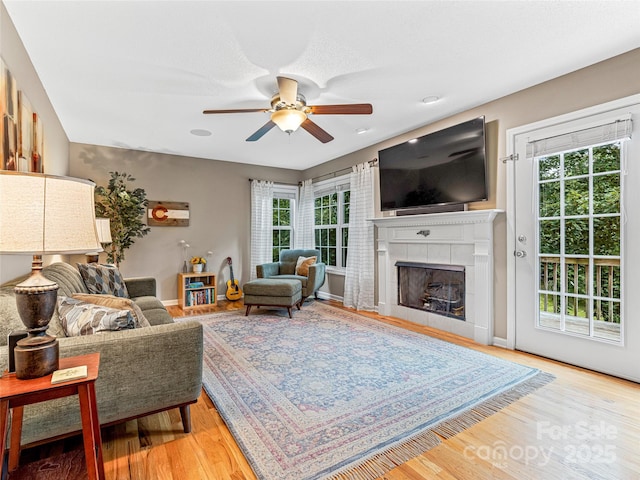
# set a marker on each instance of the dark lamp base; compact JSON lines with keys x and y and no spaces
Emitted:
{"x":36,"y":355}
{"x":34,"y":361}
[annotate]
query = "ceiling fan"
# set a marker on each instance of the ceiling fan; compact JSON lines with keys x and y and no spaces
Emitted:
{"x":289,"y":110}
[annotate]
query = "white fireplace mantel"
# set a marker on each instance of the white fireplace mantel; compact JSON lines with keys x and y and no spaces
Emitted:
{"x":457,"y":238}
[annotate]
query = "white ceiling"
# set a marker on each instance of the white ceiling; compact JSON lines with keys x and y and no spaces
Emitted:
{"x":137,"y":74}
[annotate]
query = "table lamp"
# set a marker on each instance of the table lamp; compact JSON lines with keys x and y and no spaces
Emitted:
{"x":42,"y":215}
{"x":103,"y":227}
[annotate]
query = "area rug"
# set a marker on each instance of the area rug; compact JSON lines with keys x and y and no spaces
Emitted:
{"x":334,"y":394}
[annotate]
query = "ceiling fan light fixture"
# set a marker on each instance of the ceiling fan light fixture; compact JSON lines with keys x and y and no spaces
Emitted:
{"x":289,"y":111}
{"x":288,"y":120}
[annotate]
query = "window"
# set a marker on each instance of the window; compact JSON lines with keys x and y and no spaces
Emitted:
{"x":281,"y":226}
{"x":580,"y":227}
{"x":345,"y":227}
{"x":284,"y":202}
{"x":331,"y":218}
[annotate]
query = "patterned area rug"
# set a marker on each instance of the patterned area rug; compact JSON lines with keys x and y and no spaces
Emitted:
{"x":332,"y":393}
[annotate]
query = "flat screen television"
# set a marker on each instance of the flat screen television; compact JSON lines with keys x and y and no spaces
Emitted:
{"x":447,"y":167}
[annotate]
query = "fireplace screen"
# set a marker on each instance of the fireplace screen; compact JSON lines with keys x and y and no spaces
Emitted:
{"x":432,"y":288}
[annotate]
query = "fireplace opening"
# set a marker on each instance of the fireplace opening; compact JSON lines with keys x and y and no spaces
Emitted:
{"x":432,"y":287}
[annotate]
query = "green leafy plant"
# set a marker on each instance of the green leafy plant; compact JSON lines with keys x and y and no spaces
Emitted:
{"x":125,"y":208}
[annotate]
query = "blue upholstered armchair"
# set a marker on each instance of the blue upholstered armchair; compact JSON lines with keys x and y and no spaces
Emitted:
{"x":286,"y":268}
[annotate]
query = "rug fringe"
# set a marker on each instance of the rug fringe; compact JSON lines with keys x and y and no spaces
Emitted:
{"x":394,"y":456}
{"x":455,"y":425}
{"x":387,"y":460}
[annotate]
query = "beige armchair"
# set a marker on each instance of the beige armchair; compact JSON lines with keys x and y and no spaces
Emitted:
{"x":286,"y":268}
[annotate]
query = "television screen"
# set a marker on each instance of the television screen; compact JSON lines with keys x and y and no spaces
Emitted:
{"x":444,"y":167}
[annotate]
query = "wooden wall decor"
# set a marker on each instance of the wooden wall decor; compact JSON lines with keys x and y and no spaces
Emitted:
{"x":21,"y":131}
{"x":167,"y":214}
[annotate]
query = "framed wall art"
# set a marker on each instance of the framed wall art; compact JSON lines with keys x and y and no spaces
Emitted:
{"x":21,"y":131}
{"x":167,"y":214}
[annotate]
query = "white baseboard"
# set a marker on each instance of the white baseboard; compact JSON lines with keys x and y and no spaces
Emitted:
{"x":500,"y":342}
{"x":329,"y":296}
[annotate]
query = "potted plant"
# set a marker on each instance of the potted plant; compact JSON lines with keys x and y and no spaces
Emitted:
{"x":125,"y":208}
{"x":197,"y":264}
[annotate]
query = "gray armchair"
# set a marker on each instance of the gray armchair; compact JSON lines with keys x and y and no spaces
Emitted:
{"x":286,"y":267}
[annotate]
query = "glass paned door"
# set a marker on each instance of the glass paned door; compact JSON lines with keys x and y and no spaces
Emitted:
{"x":574,"y":217}
{"x":579,"y":242}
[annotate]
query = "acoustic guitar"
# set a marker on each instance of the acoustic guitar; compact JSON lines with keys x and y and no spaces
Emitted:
{"x":233,"y":290}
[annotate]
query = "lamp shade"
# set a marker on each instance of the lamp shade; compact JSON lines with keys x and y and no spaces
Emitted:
{"x":46,"y":214}
{"x":104,"y":230}
{"x":288,"y":120}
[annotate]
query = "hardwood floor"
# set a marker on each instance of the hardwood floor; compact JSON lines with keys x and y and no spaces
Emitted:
{"x":583,"y":425}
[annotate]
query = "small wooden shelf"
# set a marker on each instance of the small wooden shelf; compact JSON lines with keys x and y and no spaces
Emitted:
{"x":190,"y":296}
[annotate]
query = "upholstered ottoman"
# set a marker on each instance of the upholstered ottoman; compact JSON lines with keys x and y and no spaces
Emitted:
{"x":272,"y":292}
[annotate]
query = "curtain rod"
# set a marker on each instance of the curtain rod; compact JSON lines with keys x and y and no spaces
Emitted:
{"x":341,"y":171}
{"x":328,"y":175}
{"x":280,"y":183}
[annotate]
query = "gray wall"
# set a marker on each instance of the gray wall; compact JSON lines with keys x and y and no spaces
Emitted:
{"x":219,"y":191}
{"x":614,"y":78}
{"x":219,"y":197}
{"x":56,"y":144}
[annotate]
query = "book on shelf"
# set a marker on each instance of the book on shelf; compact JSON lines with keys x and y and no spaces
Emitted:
{"x":195,"y":285}
{"x":200,"y":297}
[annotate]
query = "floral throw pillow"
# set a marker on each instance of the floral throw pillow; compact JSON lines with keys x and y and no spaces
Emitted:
{"x":105,"y":279}
{"x":82,"y":318}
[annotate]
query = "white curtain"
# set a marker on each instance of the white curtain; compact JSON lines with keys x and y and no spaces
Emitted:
{"x":261,"y":224}
{"x":304,"y":232}
{"x":359,"y":279}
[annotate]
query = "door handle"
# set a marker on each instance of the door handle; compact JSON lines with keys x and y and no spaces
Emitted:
{"x":520,"y":253}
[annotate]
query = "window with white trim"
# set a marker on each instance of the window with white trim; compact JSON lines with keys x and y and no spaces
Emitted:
{"x":331,"y":219}
{"x":284,"y":212}
{"x":581,"y":228}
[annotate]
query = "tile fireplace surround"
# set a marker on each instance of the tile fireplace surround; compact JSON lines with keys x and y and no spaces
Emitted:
{"x":458,"y":238}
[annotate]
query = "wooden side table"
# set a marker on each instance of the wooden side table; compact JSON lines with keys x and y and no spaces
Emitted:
{"x":15,"y":394}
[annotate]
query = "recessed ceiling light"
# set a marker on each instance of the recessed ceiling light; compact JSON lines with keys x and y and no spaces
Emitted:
{"x":430,"y":99}
{"x":360,"y":131}
{"x":199,"y":132}
{"x":413,"y":140}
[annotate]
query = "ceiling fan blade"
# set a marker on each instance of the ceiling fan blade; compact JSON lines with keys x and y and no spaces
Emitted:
{"x":348,"y":109}
{"x":288,"y":90}
{"x":316,"y":131}
{"x":261,"y":131}
{"x":237,"y":110}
